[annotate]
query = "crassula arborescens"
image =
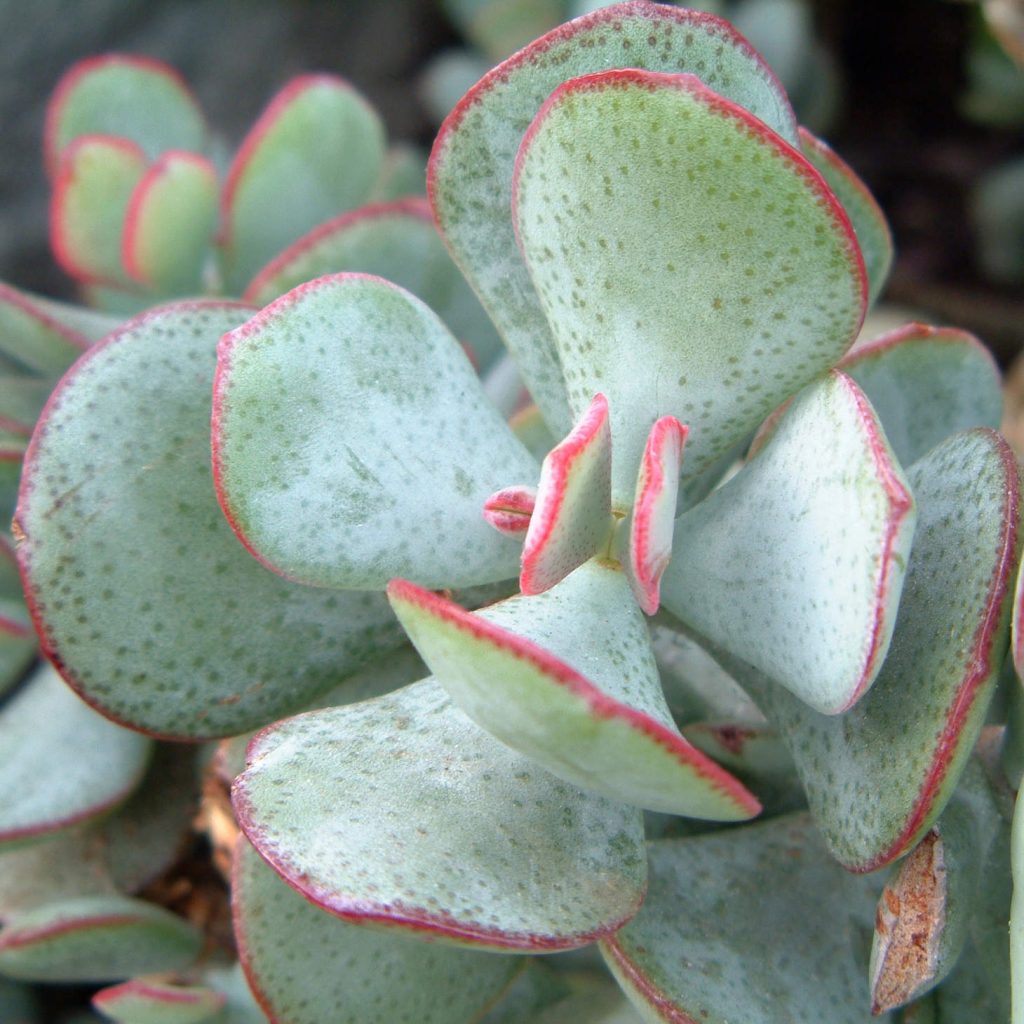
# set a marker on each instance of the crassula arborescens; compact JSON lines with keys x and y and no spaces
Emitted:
{"x":712,"y":467}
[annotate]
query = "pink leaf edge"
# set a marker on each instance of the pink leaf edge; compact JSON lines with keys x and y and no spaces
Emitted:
{"x":565,"y":33}
{"x":47,"y":644}
{"x":652,"y":81}
{"x":509,"y":510}
{"x":24,"y":303}
{"x":981,"y":664}
{"x":599,"y":703}
{"x":108,"y":999}
{"x":396,"y":914}
{"x":657,"y":487}
{"x":590,"y":433}
{"x":82,"y":69}
{"x":272,"y":113}
{"x":132,"y":237}
{"x":414,"y":207}
{"x":63,"y":251}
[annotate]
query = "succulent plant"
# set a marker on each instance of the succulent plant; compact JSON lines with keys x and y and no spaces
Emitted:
{"x":731,"y":562}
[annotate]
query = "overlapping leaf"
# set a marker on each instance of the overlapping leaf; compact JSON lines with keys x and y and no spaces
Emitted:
{"x":878,"y":775}
{"x":568,"y":678}
{"x":745,"y":923}
{"x":401,"y":811}
{"x":125,"y":550}
{"x":796,"y":564}
{"x":672,"y":281}
{"x":471,"y":166}
{"x":353,"y":442}
{"x":308,"y":967}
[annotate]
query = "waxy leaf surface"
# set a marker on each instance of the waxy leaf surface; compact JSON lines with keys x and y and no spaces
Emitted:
{"x":879,"y":775}
{"x":796,"y":564}
{"x":568,"y":678}
{"x":689,"y":261}
{"x":926,"y":383}
{"x":90,"y":202}
{"x":96,"y":938}
{"x":571,"y":518}
{"x":397,"y":241}
{"x":156,"y":1001}
{"x":135,"y":98}
{"x":170,"y":224}
{"x":353,"y":442}
{"x":401,"y":811}
{"x":62,"y":763}
{"x":873,"y":235}
{"x":125,"y":550}
{"x":471,"y":166}
{"x":308,"y":967}
{"x":753,"y":925}
{"x":314,"y":152}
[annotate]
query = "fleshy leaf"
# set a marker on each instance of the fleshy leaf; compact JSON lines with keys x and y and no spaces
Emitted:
{"x":124,"y":550}
{"x":873,"y":234}
{"x":879,"y":775}
{"x":33,"y":337}
{"x":925,"y":909}
{"x":926,"y":383}
{"x":771,"y":925}
{"x":568,"y":678}
{"x":510,"y":509}
{"x":469,"y":177}
{"x":353,"y":442}
{"x":315,"y":152}
{"x":796,"y":564}
{"x":572,"y":515}
{"x":654,"y":510}
{"x":402,"y":174}
{"x":640,"y":205}
{"x":156,"y":1001}
{"x":96,"y":939}
{"x":136,"y":98}
{"x":17,"y":637}
{"x":442,"y":829}
{"x":21,"y":400}
{"x":308,"y":967}
{"x":542,"y":996}
{"x":90,"y":202}
{"x":397,"y":241}
{"x":63,"y":763}
{"x":170,"y":222}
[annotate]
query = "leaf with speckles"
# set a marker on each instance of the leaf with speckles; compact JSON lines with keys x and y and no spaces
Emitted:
{"x":62,"y":762}
{"x":442,"y":829}
{"x":568,"y":678}
{"x":773,"y":931}
{"x":315,"y":152}
{"x":397,"y":241}
{"x":90,"y":202}
{"x":21,"y":400}
{"x":170,"y":223}
{"x":924,"y":911}
{"x":796,"y":564}
{"x":571,"y":517}
{"x":157,"y":1001}
{"x":470,"y":171}
{"x":136,"y":98}
{"x":308,"y":967}
{"x":873,"y":234}
{"x":125,"y":550}
{"x":641,"y":204}
{"x":879,"y":775}
{"x":95,"y":939}
{"x":926,"y":383}
{"x":353,"y":442}
{"x":34,"y":337}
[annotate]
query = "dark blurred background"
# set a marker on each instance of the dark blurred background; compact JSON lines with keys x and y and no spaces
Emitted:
{"x":904,"y":119}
